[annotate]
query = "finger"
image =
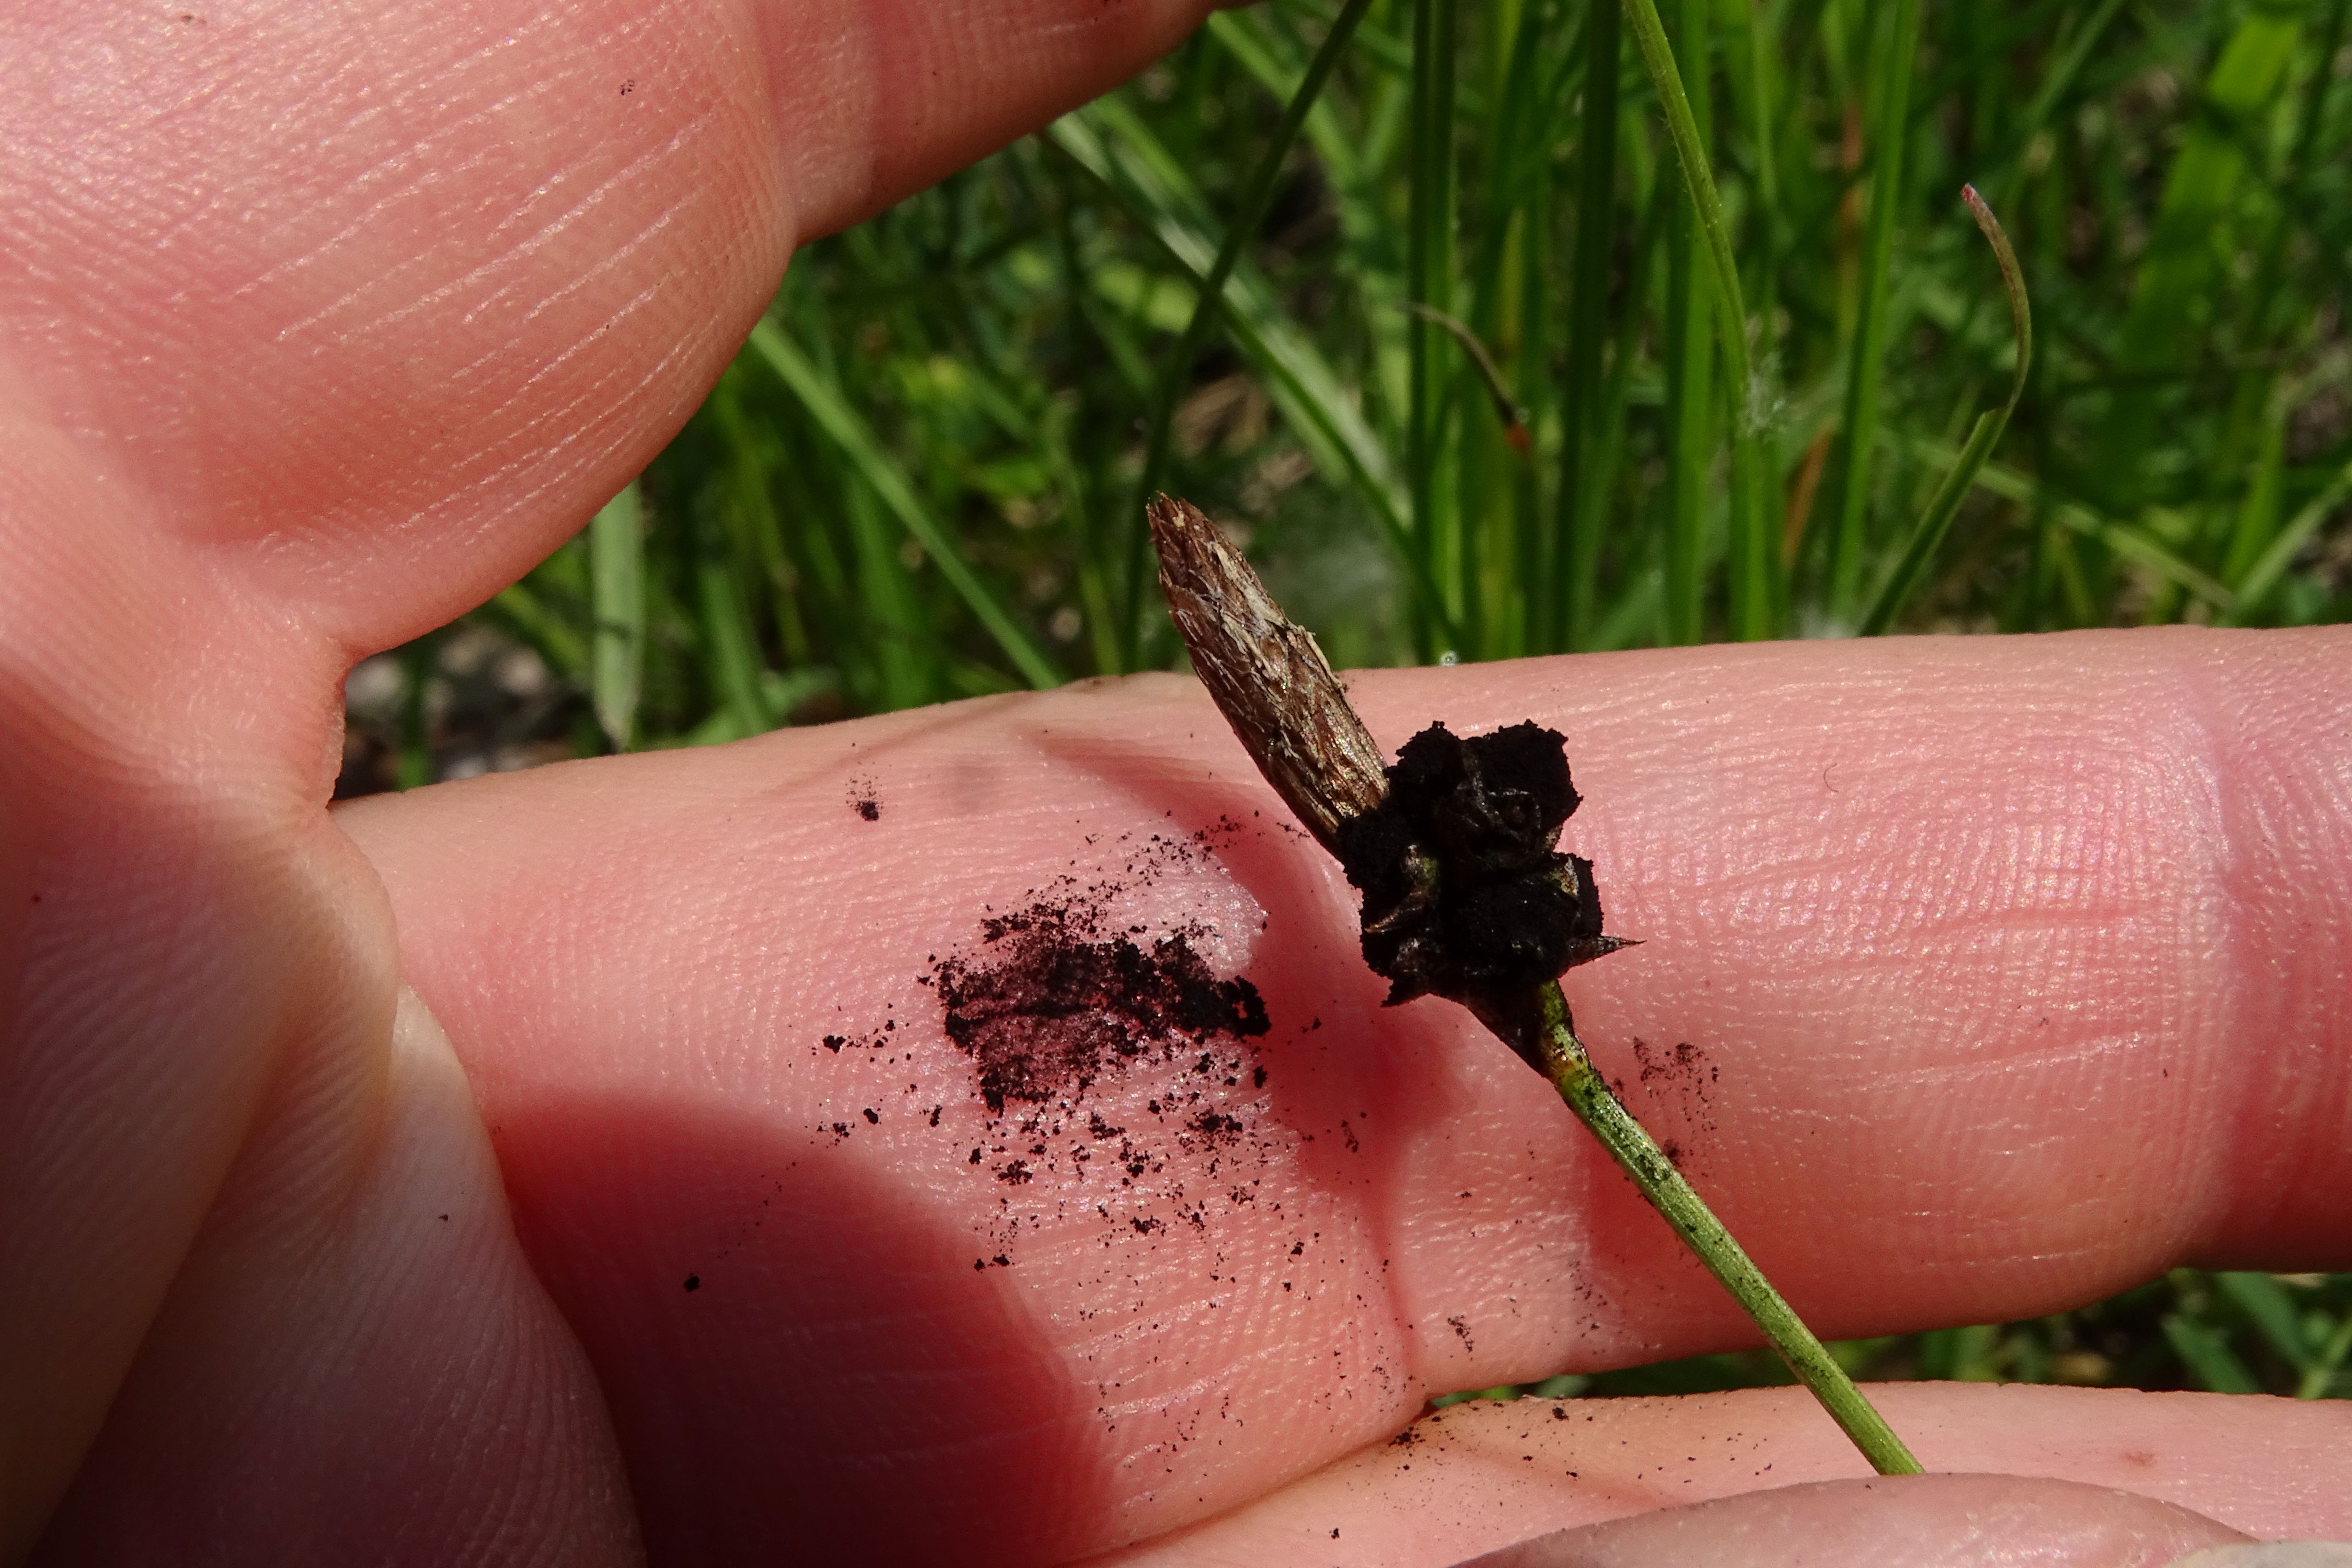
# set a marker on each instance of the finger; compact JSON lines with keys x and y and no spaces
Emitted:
{"x":316,"y":324}
{"x":380,"y":303}
{"x":1930,"y":1521}
{"x":1480,"y":1477}
{"x":2024,"y":1003}
{"x":363,"y":1373}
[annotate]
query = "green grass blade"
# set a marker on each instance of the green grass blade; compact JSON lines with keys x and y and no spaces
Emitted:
{"x":2055,"y":83}
{"x":2267,"y":1304}
{"x":1566,"y":611}
{"x":1689,"y":355}
{"x":1759,"y":586}
{"x":414,"y":768}
{"x":1256,"y":198}
{"x":616,"y":575}
{"x":2208,"y":1355}
{"x":2272,"y":565}
{"x":1859,"y":427}
{"x":780,"y":693}
{"x":2182,"y":260}
{"x":832,"y":414}
{"x":1247,"y":35}
{"x":1759,"y":589}
{"x":2328,"y":1364}
{"x":1106,"y":141}
{"x":1747,"y":400}
{"x":2256,"y":521}
{"x":1927,"y":534}
{"x":1699,"y":182}
{"x":533,"y":622}
{"x":2131,"y":543}
{"x":903,"y":667}
{"x":731,"y":647}
{"x":1528,"y":48}
{"x":1429,"y":218}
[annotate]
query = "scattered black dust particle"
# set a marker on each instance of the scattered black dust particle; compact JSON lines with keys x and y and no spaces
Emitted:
{"x":834,"y":1042}
{"x":628,"y":87}
{"x":1686,"y":1064}
{"x":1216,"y":1125}
{"x":1461,"y":1327}
{"x":1557,"y":1413}
{"x":935,"y":1115}
{"x":872,"y":1117}
{"x":445,"y":1219}
{"x":862,"y":798}
{"x":693,"y":1282}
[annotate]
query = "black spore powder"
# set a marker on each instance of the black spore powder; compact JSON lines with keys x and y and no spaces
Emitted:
{"x":1046,"y":1008}
{"x":1465,"y":895}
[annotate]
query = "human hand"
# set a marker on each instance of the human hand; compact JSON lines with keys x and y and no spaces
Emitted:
{"x":321,"y":324}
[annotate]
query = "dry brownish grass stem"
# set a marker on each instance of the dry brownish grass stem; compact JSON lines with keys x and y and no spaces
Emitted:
{"x":1269,"y":679}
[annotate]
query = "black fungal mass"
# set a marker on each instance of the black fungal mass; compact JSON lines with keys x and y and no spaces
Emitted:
{"x":1465,"y":895}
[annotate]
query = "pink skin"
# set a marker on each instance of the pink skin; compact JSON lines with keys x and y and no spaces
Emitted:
{"x":2013,"y":967}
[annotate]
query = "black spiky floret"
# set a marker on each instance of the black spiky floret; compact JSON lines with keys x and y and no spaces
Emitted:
{"x":1466,"y":896}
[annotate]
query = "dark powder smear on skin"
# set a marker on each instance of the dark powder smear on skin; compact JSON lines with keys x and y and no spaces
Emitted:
{"x":1118,"y":1074}
{"x":1046,"y":1007}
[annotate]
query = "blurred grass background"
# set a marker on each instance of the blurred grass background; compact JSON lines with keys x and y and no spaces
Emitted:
{"x":1464,"y":390}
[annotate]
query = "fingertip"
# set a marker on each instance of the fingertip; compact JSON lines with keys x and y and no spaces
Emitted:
{"x":1891,"y":1521}
{"x":877,"y":98}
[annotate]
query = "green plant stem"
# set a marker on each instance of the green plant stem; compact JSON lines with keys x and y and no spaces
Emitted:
{"x":1928,"y":534}
{"x":1429,"y":281}
{"x":833,"y":414}
{"x":1682,"y":129}
{"x":1859,"y":422}
{"x":616,"y":565}
{"x":1209,"y":303}
{"x":1571,"y":556}
{"x":1690,"y":405}
{"x":1588,"y":1094}
{"x":1755,"y":586}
